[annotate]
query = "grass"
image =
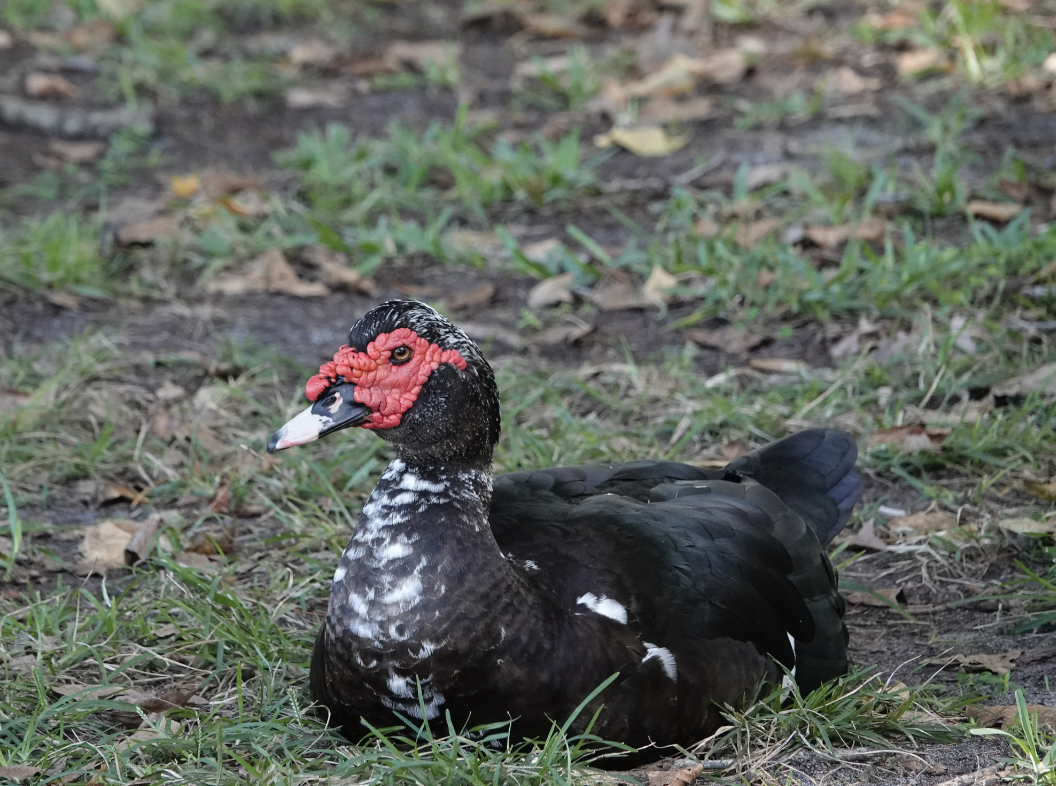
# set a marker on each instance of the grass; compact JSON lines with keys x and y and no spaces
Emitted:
{"x":88,"y":410}
{"x":1032,"y":745}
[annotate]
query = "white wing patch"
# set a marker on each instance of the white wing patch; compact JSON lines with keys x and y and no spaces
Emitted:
{"x":786,"y":681}
{"x":667,"y":660}
{"x":606,"y":607}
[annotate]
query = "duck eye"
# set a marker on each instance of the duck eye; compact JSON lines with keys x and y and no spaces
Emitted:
{"x":401,"y":354}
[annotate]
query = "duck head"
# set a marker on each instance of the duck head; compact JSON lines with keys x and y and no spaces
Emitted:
{"x":411,"y":376}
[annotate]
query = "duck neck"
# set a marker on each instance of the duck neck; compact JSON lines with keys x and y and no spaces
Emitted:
{"x":422,"y":532}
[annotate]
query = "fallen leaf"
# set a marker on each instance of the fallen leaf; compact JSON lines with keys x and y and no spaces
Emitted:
{"x":997,"y":664}
{"x":270,"y":272}
{"x":676,"y":77}
{"x":41,"y":85}
{"x":217,"y":182}
{"x":552,"y":26}
{"x":705,"y":227}
{"x":94,"y":35}
{"x":893,"y":594}
{"x":647,"y":141}
{"x":663,"y":110}
{"x":335,"y":270}
{"x":994,"y":211}
{"x":421,"y":54}
{"x":478,"y":295}
{"x":166,"y":630}
{"x":88,"y":692}
{"x":17,"y":772}
{"x":103,"y":545}
{"x":541,"y":249}
{"x":730,"y":339}
{"x":138,"y":547}
{"x":923,"y":522}
{"x":1050,"y":63}
{"x":155,"y":726}
{"x":551,"y":291}
{"x":724,"y":67}
{"x":485,"y":243}
{"x":909,"y":439}
{"x":210,"y":543}
{"x":751,"y":234}
{"x":851,"y":343}
{"x":779,"y":366}
{"x":1045,"y":491}
{"x":1002,"y":715}
{"x":619,"y":293}
{"x":870,"y":229}
{"x":206,"y":563}
{"x":6,"y":40}
{"x":22,"y":664}
{"x":849,"y":82}
{"x":152,"y":230}
{"x":864,"y":538}
{"x":1038,"y":380}
{"x":680,"y":777}
{"x":315,"y":52}
{"x":905,"y":15}
{"x":331,"y":96}
{"x":12,"y":399}
{"x":1027,"y":526}
{"x":567,"y":332}
{"x":76,"y":152}
{"x":920,"y":61}
{"x":657,"y":285}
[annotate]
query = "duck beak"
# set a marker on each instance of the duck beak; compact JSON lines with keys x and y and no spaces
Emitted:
{"x":336,"y":409}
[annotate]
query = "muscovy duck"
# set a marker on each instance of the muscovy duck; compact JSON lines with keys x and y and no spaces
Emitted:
{"x":514,"y":597}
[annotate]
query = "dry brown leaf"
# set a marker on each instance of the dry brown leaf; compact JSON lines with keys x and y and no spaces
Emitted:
{"x":420,"y":54}
{"x":909,"y":439}
{"x":730,"y":339}
{"x":477,"y":295}
{"x":919,"y":61}
{"x":894,"y":594}
{"x":155,"y":726}
{"x":330,"y":96}
{"x":76,"y":152}
{"x":705,"y":227}
{"x":870,"y":230}
{"x":166,"y":630}
{"x":541,"y":249}
{"x":552,"y":26}
{"x":676,"y":77}
{"x":661,"y":110}
{"x":906,"y":14}
{"x":994,"y":211}
{"x":849,"y":82}
{"x":11,"y":399}
{"x":1038,"y":380}
{"x":568,"y":332}
{"x":145,"y":233}
{"x":17,"y":772}
{"x":103,"y":545}
{"x":217,"y":182}
{"x":88,"y":692}
{"x":1045,"y":491}
{"x":314,"y":52}
{"x":270,"y":272}
{"x":138,"y":547}
{"x":1004,"y":714}
{"x":851,"y":343}
{"x":724,"y":67}
{"x":483,"y":242}
{"x":6,"y":40}
{"x":657,"y":285}
{"x":998,"y":664}
{"x":779,"y":366}
{"x":335,"y":270}
{"x":923,"y":522}
{"x":680,"y":777}
{"x":864,"y":538}
{"x":751,"y":234}
{"x":41,"y":85}
{"x":1027,"y":526}
{"x":619,"y":293}
{"x":94,"y":35}
{"x":206,"y":563}
{"x":646,"y":141}
{"x":551,"y":291}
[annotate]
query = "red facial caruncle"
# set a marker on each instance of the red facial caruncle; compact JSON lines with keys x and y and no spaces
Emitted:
{"x":388,"y":387}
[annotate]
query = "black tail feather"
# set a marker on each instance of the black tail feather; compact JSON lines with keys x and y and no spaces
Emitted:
{"x":813,"y":473}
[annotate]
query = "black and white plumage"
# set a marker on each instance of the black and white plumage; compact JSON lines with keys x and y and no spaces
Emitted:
{"x":514,"y":597}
